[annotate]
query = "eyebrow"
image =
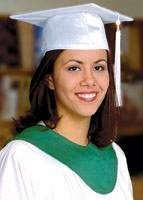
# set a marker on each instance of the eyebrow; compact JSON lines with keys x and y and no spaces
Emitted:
{"x":81,"y":62}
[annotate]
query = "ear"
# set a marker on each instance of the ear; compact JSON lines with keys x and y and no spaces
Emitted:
{"x":50,"y":81}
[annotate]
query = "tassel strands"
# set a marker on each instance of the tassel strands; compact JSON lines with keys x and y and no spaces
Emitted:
{"x":117,"y":64}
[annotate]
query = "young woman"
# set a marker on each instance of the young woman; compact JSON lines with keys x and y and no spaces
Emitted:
{"x":65,"y":148}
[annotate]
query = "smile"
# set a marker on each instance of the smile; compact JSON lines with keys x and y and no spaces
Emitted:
{"x":87,"y":97}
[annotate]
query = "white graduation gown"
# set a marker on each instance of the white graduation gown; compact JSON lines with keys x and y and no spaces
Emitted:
{"x":28,"y":173}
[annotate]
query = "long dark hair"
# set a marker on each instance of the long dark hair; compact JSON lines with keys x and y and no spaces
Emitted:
{"x":102,"y":129}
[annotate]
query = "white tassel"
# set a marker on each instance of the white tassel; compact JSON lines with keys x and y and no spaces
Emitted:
{"x":117,"y":65}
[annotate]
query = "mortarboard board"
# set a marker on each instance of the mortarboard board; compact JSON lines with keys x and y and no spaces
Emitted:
{"x":78,"y":27}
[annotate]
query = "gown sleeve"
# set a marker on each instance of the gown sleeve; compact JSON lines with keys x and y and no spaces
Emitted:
{"x":15,"y":181}
{"x":125,"y":183}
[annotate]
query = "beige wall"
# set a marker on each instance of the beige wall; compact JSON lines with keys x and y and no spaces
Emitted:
{"x":132,"y":8}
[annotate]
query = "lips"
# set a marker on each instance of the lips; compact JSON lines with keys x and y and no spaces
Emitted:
{"x":87,"y":96}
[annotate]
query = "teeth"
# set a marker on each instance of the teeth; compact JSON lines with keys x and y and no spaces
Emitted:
{"x":87,"y":96}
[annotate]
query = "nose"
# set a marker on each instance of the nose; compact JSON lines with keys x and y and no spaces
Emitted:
{"x":88,"y":79}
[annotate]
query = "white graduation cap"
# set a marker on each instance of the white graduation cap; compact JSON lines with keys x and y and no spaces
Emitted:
{"x":78,"y":27}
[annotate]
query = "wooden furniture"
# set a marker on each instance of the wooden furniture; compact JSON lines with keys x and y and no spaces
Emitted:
{"x":17,"y":64}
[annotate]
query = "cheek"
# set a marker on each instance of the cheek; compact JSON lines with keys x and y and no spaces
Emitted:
{"x":62,"y":87}
{"x":104,"y":82}
{"x":107,"y":82}
{"x":66,"y":83}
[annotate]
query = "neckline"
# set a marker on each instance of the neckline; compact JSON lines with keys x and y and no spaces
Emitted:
{"x":68,"y":141}
{"x":50,"y":142}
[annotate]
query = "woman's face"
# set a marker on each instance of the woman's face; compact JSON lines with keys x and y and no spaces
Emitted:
{"x":80,"y":81}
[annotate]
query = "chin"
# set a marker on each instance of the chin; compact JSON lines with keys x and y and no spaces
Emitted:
{"x":87,"y":113}
{"x":89,"y":109}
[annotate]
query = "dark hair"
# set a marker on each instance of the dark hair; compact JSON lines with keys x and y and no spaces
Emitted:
{"x":102,"y":129}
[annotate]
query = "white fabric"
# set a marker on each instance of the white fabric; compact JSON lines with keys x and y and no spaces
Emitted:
{"x":117,"y":65}
{"x":39,"y":17}
{"x":74,"y":27}
{"x":74,"y":31}
{"x":77,"y":27}
{"x":27,"y":173}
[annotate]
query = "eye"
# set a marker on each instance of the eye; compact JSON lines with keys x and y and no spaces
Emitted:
{"x":73,"y":68}
{"x":100,"y":67}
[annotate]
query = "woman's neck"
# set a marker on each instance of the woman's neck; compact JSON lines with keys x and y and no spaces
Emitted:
{"x":74,"y":129}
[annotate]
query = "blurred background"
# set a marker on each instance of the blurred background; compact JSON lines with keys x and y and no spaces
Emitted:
{"x":20,"y":55}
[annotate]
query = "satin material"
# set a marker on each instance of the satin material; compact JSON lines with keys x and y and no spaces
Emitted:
{"x":78,"y":31}
{"x":27,"y":173}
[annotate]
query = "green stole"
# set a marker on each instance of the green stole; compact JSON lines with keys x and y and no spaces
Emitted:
{"x":96,"y":166}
